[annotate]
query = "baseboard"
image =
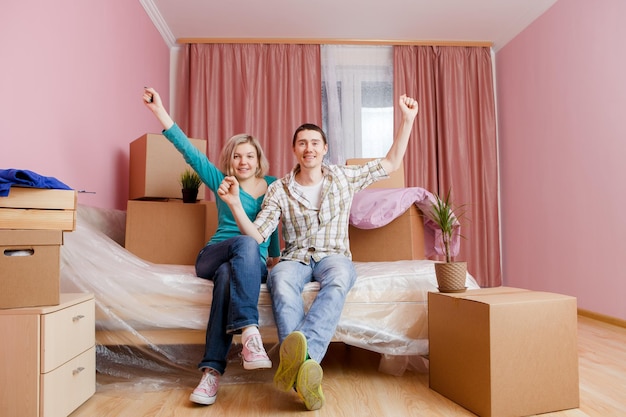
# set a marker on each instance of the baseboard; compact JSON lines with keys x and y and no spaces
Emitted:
{"x":602,"y":317}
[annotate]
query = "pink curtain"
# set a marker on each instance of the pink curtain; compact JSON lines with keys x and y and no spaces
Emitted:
{"x":453,"y":146}
{"x":266,"y":90}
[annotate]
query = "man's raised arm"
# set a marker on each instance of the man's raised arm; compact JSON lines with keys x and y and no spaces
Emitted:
{"x":393,"y":159}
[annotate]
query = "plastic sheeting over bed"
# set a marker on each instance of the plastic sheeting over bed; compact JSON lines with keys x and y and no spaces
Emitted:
{"x":385,"y":311}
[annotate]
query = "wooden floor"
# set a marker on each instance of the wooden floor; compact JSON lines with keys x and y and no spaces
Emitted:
{"x":354,"y":387}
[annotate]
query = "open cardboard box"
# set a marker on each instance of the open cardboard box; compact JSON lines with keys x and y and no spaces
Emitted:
{"x":402,"y":238}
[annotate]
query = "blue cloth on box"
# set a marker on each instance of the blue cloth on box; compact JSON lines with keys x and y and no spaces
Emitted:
{"x":25,"y":178}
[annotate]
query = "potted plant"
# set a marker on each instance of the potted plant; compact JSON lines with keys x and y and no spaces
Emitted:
{"x":190,"y":182}
{"x":451,"y":275}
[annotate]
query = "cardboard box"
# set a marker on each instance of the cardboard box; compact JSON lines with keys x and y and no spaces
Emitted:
{"x":29,"y":267}
{"x":401,"y":239}
{"x":155,"y":168}
{"x":169,"y":232}
{"x":38,"y":209}
{"x":395,"y":180}
{"x":34,"y":219}
{"x":504,"y":351}
{"x":39,"y":198}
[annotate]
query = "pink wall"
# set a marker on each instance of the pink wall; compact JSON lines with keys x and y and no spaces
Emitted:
{"x":562,"y":122}
{"x":71,"y":79}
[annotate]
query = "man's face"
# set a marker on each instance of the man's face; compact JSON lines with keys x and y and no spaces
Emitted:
{"x":310,"y":148}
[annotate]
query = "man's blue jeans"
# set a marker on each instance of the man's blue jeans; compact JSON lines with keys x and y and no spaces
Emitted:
{"x":336,"y":275}
{"x":236,"y":269}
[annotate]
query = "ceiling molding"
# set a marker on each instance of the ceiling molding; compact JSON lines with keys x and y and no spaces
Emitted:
{"x":388,"y":22}
{"x":159,"y":22}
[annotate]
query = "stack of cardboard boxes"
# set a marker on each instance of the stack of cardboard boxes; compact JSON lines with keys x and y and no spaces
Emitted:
{"x":32,"y":222}
{"x":160,"y":228}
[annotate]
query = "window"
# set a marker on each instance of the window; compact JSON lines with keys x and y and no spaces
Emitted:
{"x":358,"y":112}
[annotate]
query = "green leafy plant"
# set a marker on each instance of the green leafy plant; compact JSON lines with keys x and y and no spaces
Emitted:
{"x":190,"y":180}
{"x":446,"y":216}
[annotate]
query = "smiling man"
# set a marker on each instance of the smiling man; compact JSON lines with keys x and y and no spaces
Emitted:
{"x":313,"y":201}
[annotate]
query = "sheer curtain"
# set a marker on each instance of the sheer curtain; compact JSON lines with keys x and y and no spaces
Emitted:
{"x":357,"y":100}
{"x":266,"y":90}
{"x":453,"y":146}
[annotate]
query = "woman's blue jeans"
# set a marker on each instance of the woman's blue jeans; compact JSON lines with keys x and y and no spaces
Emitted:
{"x":236,"y":269}
{"x":336,"y":275}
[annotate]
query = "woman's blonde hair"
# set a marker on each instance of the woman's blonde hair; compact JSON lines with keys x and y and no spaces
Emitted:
{"x":228,"y":153}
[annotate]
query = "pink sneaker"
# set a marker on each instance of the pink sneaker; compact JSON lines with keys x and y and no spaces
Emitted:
{"x":206,"y":391}
{"x":253,"y":354}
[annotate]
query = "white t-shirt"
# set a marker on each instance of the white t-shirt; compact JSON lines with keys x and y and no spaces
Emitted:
{"x":313,"y":193}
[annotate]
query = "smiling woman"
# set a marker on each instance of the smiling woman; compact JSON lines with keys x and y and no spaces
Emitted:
{"x":229,"y":259}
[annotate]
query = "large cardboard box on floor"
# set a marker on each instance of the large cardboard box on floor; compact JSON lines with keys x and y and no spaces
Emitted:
{"x":29,"y":267}
{"x":504,"y":351}
{"x":38,"y":208}
{"x":169,"y":232}
{"x":155,"y":168}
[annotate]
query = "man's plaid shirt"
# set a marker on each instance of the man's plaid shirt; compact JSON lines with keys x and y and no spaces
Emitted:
{"x":307,"y":231}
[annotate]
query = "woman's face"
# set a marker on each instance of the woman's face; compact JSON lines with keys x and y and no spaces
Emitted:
{"x":245,"y":162}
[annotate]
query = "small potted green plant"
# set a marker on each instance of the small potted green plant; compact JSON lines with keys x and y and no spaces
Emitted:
{"x":451,"y":275}
{"x":190,"y":182}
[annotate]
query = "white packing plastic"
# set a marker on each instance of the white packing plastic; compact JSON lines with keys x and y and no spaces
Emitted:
{"x":139,"y":301}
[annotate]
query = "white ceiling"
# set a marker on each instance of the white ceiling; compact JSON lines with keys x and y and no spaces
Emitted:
{"x":496,"y":21}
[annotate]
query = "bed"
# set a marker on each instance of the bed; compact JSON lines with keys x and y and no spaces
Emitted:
{"x":151,"y":318}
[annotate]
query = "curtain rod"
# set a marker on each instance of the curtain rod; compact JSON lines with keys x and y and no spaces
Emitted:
{"x":335,"y":42}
